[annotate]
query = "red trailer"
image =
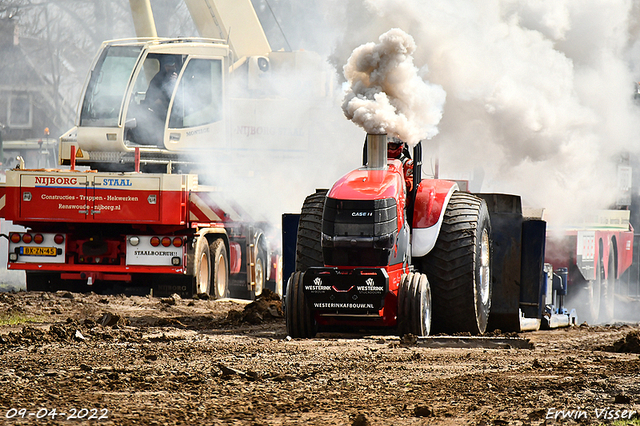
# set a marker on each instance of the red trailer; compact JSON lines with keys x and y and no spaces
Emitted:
{"x":595,"y":253}
{"x":162,"y":231}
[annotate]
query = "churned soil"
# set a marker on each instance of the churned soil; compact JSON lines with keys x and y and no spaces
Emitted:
{"x":131,"y":360}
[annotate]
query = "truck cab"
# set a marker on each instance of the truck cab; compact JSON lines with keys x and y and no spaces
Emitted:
{"x":116,"y":115}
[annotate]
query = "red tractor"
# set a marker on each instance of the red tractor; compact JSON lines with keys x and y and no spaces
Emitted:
{"x":371,"y":253}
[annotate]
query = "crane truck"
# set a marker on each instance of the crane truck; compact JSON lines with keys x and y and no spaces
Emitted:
{"x":371,"y":253}
{"x":130,"y":209}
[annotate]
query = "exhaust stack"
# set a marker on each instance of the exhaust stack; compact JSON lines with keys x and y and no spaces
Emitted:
{"x":376,"y":151}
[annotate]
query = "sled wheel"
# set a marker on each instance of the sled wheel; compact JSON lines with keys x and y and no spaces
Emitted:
{"x":459,"y":267}
{"x":220,"y":270}
{"x":607,"y":289}
{"x":202,"y":266}
{"x":300,"y":320}
{"x":308,"y":244}
{"x":414,"y":305}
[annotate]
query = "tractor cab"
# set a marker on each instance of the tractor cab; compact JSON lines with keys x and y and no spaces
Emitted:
{"x":161,"y":96}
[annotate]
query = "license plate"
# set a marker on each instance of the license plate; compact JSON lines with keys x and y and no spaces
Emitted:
{"x":38,"y":251}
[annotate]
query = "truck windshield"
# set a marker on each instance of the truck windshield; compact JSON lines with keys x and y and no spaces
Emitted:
{"x":107,"y":85}
{"x":198,"y":99}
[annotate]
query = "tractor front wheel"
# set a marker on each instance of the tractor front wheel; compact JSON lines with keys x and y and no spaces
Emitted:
{"x":414,"y":305}
{"x":300,"y":320}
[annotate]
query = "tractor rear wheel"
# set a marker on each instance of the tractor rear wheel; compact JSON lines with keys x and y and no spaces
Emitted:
{"x":414,"y":305}
{"x":459,"y":267}
{"x":300,"y":320}
{"x":308,"y":244}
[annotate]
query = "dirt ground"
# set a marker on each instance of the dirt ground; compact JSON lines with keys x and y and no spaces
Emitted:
{"x":120,"y":360}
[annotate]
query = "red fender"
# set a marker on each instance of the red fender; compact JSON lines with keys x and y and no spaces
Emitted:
{"x":428,"y":212}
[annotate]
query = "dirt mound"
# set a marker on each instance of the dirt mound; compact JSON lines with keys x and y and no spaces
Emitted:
{"x":108,"y":327}
{"x":30,"y":335}
{"x":628,"y":344}
{"x":266,"y":308}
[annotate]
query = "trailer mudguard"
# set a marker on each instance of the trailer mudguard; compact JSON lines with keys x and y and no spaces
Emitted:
{"x":430,"y":204}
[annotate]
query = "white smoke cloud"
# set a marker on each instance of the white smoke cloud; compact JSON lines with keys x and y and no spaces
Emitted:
{"x":539,"y":94}
{"x":386,"y":93}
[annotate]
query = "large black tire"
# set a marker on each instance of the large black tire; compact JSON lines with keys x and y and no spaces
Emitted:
{"x":459,"y":268}
{"x":414,"y":305}
{"x":299,"y":318}
{"x":308,"y":244}
{"x":220,"y":269}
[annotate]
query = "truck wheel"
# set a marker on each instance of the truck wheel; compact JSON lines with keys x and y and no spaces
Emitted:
{"x":278,"y":279}
{"x":220,"y":269}
{"x":300,"y":320}
{"x":459,"y":267}
{"x":261,"y":269}
{"x":414,"y":305}
{"x":202,"y":267}
{"x":308,"y":244}
{"x":607,"y":291}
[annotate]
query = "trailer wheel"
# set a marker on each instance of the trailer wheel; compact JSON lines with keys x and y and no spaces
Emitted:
{"x":414,"y":305}
{"x":220,"y":269}
{"x":308,"y":244}
{"x":608,"y":287}
{"x":459,"y":267}
{"x":300,"y":320}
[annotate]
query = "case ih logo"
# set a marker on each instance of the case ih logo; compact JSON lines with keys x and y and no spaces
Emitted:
{"x":52,"y":180}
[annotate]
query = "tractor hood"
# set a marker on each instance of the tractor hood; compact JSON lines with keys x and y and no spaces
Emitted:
{"x":363,"y":218}
{"x":367,"y":184}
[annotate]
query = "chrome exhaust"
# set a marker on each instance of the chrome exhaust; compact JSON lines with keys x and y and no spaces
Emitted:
{"x":376,"y":151}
